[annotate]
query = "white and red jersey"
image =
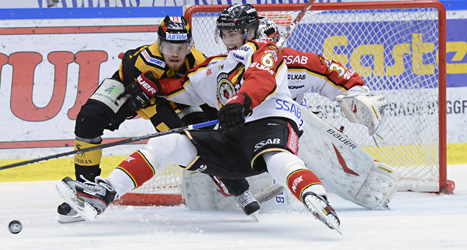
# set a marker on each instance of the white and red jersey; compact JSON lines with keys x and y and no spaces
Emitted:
{"x":309,"y":71}
{"x":256,"y":69}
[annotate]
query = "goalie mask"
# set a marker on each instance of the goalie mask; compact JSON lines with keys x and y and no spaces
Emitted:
{"x":236,"y":17}
{"x":268,"y":30}
{"x":173,"y":32}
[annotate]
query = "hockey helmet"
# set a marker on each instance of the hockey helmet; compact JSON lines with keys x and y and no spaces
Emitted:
{"x":238,"y":17}
{"x":175,"y":30}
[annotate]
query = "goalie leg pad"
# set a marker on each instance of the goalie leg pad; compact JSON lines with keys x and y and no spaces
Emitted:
{"x":343,"y":167}
{"x":379,"y":186}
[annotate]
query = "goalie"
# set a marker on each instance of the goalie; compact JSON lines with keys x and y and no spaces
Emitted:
{"x":331,"y":79}
{"x":312,"y":72}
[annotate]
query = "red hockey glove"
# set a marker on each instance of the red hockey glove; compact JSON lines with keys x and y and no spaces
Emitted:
{"x":232,"y":114}
{"x":141,"y":91}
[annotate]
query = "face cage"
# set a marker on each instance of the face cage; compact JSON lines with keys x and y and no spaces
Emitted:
{"x":268,"y":25}
{"x":275,"y":38}
{"x":188,"y":49}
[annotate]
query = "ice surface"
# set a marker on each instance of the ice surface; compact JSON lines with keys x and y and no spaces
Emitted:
{"x":415,"y":221}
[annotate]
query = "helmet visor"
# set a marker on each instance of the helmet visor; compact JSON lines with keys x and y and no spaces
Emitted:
{"x":175,"y":49}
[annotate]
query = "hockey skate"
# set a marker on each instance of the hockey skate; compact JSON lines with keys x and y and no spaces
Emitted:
{"x":88,"y":199}
{"x":66,"y":214}
{"x":248,"y":203}
{"x":322,"y":210}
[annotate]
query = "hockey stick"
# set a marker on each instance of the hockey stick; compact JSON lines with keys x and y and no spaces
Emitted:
{"x":115,"y":143}
{"x":262,"y":195}
{"x":294,"y":23}
{"x":268,"y":193}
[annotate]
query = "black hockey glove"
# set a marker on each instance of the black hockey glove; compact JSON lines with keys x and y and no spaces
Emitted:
{"x":232,"y":114}
{"x":141,"y":91}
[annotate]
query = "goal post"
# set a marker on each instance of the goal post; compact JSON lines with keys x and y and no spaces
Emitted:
{"x":398,"y":48}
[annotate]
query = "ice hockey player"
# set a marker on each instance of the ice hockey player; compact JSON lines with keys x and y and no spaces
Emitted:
{"x":251,"y":81}
{"x":308,"y":71}
{"x":125,"y":95}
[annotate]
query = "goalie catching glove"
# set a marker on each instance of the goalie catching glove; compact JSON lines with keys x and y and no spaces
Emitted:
{"x":232,"y":114}
{"x":362,"y":106}
{"x":140,"y":92}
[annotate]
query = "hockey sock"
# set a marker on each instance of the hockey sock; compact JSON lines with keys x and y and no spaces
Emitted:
{"x":138,"y":168}
{"x":87,"y":164}
{"x":289,"y":171}
{"x":302,"y":181}
{"x":131,"y":173}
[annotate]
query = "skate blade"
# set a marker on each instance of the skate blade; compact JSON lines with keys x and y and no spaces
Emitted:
{"x":64,"y":219}
{"x":88,"y":212}
{"x":254,"y":216}
{"x":312,"y":203}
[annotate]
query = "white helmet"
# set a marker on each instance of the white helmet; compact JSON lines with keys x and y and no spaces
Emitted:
{"x":268,"y":30}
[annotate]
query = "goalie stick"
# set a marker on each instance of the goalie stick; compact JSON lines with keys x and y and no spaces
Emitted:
{"x":112,"y":144}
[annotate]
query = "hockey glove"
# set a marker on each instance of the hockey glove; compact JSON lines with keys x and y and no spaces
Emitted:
{"x":361,"y":106}
{"x":232,"y":114}
{"x":141,"y":91}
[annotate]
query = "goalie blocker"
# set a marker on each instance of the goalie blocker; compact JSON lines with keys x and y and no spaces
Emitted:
{"x":343,"y":167}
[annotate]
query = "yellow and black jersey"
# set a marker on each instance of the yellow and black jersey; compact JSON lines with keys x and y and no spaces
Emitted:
{"x":149,"y":58}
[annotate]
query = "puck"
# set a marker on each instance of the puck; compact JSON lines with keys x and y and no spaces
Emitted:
{"x":15,"y":226}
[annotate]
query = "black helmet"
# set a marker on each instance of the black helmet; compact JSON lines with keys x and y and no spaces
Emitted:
{"x":238,"y":16}
{"x":174,"y":30}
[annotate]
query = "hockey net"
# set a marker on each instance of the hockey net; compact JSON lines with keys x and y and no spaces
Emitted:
{"x":398,"y":48}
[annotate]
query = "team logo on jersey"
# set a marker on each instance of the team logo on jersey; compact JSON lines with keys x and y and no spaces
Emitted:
{"x":225,"y":90}
{"x":229,"y":84}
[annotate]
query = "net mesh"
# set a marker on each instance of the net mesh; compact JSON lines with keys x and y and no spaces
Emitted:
{"x":395,"y":52}
{"x":166,"y":181}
